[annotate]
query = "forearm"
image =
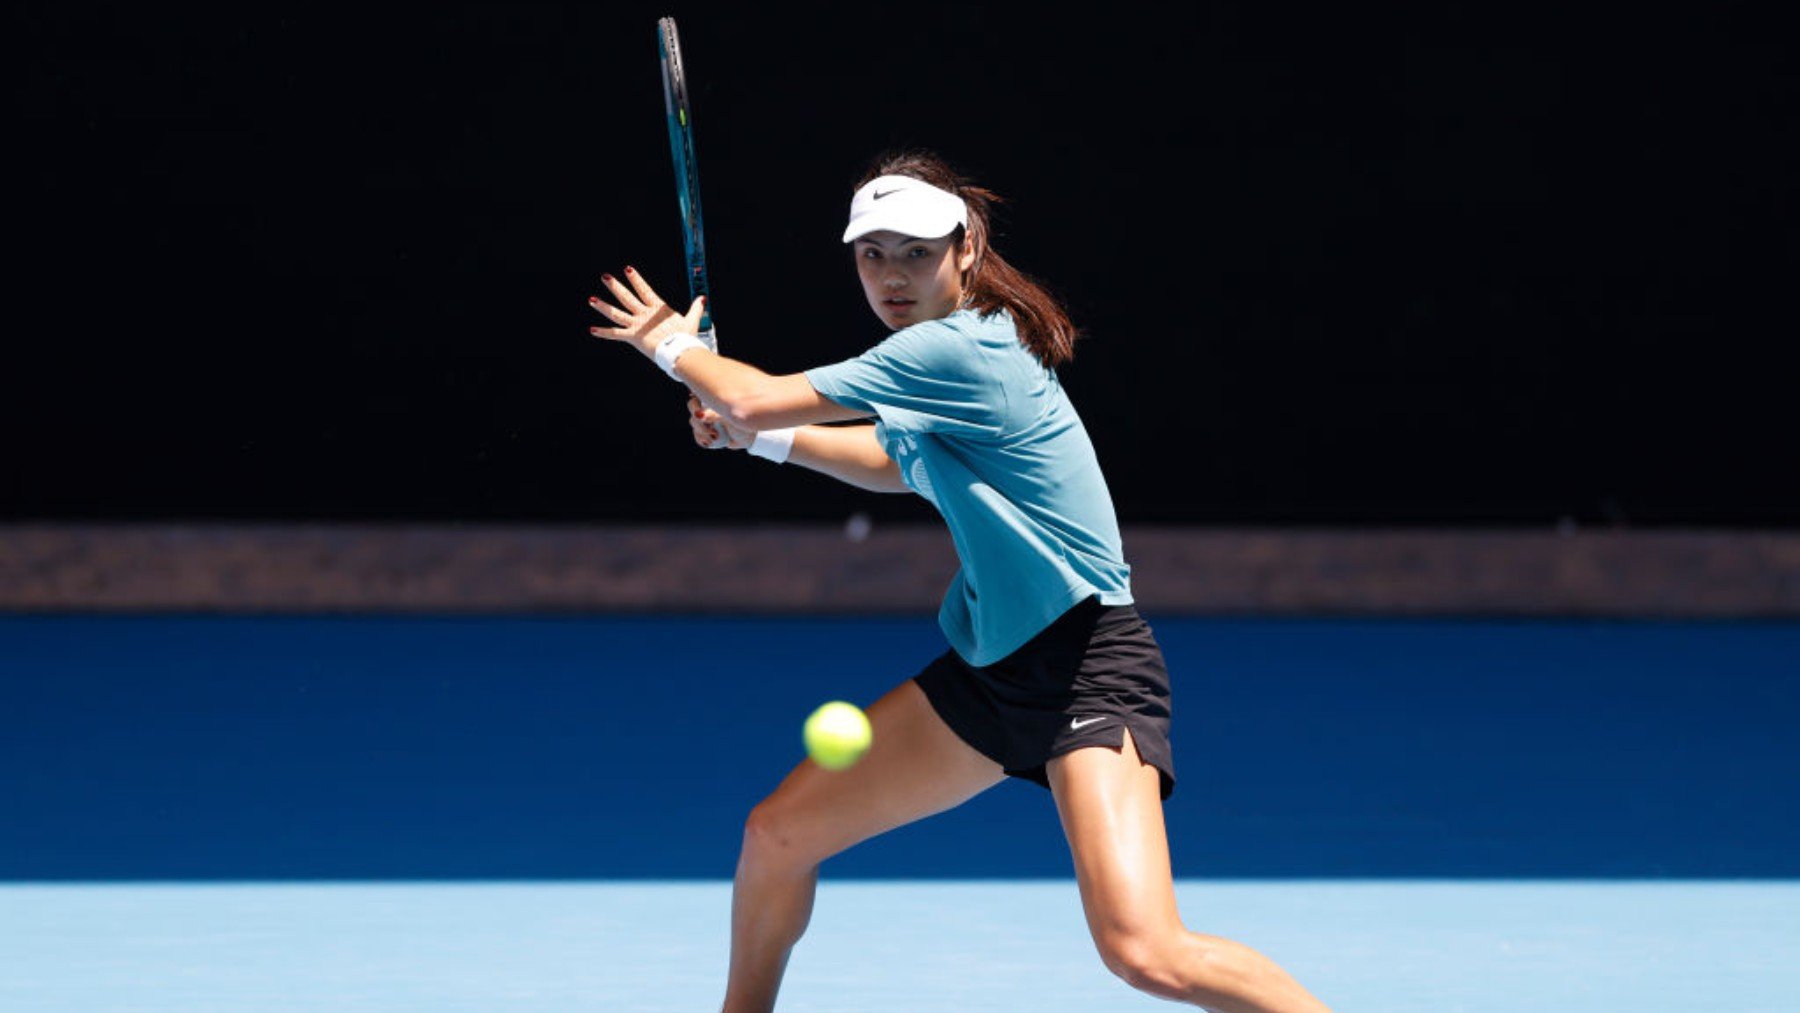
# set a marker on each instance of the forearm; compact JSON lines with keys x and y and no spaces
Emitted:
{"x":749,"y":398}
{"x":849,"y":454}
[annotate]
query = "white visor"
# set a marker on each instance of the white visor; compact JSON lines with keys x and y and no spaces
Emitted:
{"x":905,"y":205}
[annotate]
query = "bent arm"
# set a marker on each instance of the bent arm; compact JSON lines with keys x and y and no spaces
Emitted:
{"x":850,"y":454}
{"x":749,"y":398}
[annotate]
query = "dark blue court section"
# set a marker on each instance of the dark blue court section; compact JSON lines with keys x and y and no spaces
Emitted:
{"x":232,"y":748}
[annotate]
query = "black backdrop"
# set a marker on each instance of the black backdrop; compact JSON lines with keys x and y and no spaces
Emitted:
{"x":1470,"y":264}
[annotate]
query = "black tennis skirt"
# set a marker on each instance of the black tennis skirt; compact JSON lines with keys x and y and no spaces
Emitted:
{"x":1081,"y":681}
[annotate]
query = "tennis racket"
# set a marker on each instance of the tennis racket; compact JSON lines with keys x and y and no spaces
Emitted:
{"x":687,"y":177}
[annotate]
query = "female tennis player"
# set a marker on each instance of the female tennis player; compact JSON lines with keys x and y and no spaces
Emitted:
{"x":1051,"y":675}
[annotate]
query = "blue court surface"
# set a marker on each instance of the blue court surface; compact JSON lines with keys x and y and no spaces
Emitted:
{"x":512,"y":813}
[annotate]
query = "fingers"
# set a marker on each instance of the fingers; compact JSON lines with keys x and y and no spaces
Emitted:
{"x":708,"y":436}
{"x":609,"y":311}
{"x":729,"y":434}
{"x":642,"y":287}
{"x":635,"y":320}
{"x":705,"y":423}
{"x":626,"y":297}
{"x":626,"y":317}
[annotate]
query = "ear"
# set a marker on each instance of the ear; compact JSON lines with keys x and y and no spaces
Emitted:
{"x":965,"y":256}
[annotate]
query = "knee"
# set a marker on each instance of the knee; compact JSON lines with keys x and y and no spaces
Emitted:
{"x":770,"y":837}
{"x":1173,"y":963}
{"x":1159,"y":962}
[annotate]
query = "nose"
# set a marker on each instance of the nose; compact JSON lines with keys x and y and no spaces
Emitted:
{"x":894,"y":279}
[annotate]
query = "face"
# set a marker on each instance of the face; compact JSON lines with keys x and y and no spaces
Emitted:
{"x":909,"y":280}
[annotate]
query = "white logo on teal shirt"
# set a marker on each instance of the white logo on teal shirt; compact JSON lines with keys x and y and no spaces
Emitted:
{"x":919,"y":480}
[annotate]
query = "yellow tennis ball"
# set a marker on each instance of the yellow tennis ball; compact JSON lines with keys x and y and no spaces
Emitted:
{"x":837,"y":735}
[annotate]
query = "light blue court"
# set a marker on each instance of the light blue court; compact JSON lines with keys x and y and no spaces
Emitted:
{"x":884,"y":947}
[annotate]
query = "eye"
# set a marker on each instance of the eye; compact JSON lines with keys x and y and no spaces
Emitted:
{"x":916,"y":252}
{"x":871,"y":253}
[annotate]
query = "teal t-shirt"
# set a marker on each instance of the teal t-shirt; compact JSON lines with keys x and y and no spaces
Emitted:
{"x":985,"y":432}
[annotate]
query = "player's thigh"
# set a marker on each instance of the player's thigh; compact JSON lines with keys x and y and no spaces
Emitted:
{"x":1110,"y":803}
{"x":915,"y":767}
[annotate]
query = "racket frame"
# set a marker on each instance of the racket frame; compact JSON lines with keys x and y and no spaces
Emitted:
{"x":677,"y":104}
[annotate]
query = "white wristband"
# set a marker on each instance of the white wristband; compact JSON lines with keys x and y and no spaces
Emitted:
{"x":672,"y":348}
{"x":773,"y":444}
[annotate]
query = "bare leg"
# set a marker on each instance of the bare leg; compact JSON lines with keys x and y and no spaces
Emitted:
{"x":1110,"y":802}
{"x":916,"y":767}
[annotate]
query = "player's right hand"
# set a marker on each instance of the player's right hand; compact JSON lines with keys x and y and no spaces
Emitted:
{"x":643,"y":319}
{"x":711,"y":432}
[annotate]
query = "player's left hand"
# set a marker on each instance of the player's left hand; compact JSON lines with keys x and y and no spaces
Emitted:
{"x":643,"y":320}
{"x":711,"y":431}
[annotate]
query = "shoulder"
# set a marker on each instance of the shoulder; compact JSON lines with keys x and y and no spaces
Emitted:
{"x":961,"y":337}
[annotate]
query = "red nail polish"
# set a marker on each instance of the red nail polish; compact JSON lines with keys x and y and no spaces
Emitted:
{"x":630,"y":270}
{"x":606,"y":277}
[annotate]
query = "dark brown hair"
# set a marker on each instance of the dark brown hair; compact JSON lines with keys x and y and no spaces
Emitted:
{"x":991,"y":283}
